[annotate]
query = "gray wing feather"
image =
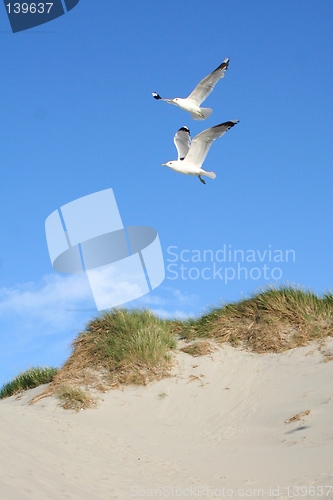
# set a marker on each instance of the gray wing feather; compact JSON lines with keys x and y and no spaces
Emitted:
{"x":182,"y":140}
{"x":205,"y":87}
{"x":202,"y":142}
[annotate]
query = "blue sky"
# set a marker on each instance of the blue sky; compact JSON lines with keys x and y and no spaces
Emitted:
{"x":77,"y":117}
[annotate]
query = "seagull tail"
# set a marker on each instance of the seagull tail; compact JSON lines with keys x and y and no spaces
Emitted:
{"x":206,"y":112}
{"x":211,"y":175}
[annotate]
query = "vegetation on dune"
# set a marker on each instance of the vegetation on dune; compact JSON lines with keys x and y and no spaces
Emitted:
{"x":128,"y":346}
{"x":271,"y":321}
{"x":75,"y":398}
{"x":135,"y":346}
{"x":29,"y":379}
{"x":118,"y":347}
{"x":198,"y":348}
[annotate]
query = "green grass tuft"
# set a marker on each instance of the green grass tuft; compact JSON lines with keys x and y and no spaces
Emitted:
{"x":135,"y":338}
{"x":134,"y":346}
{"x":29,"y":379}
{"x":118,"y":347}
{"x":273,"y":320}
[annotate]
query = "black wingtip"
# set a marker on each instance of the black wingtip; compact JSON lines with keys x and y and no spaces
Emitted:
{"x":228,"y":124}
{"x":231,"y":123}
{"x":224,"y":65}
{"x":156,"y":96}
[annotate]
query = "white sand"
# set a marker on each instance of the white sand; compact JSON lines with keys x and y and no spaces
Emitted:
{"x":220,"y":425}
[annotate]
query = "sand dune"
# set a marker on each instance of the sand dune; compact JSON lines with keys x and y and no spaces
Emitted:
{"x":217,"y":428}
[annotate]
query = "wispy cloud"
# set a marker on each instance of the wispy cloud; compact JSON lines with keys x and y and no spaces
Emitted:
{"x":53,"y":303}
{"x":61,"y":302}
{"x":168,"y":302}
{"x":38,"y":320}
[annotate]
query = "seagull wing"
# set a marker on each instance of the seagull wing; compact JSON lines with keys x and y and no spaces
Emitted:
{"x":205,"y":87}
{"x":202,"y":142}
{"x":182,"y":142}
{"x":159,"y":98}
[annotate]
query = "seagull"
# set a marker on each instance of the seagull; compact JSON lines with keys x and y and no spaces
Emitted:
{"x":191,"y":155}
{"x":200,"y":93}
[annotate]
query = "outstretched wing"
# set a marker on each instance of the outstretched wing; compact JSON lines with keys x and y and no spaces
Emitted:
{"x":205,"y":87}
{"x":182,"y":142}
{"x":202,"y":142}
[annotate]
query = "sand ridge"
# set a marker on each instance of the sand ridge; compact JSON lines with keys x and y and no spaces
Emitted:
{"x":220,"y":423}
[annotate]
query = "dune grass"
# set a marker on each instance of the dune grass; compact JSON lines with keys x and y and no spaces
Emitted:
{"x":273,"y":320}
{"x":135,"y":346}
{"x":128,"y":345}
{"x":28,"y":379}
{"x":118,"y":347}
{"x":75,"y":398}
{"x":198,"y":348}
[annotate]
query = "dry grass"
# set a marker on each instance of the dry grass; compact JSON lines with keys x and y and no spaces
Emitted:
{"x":192,"y":378}
{"x":272,"y":321}
{"x":134,"y":346}
{"x":328,"y":358}
{"x":74,"y":398}
{"x":327,"y":354}
{"x":121,"y":347}
{"x":199,"y":348}
{"x":297,"y":417}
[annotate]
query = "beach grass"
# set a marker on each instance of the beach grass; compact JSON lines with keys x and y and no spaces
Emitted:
{"x":75,"y":398}
{"x":126,"y":344}
{"x":118,"y":347}
{"x":28,"y":379}
{"x":273,"y":320}
{"x":136,"y":346}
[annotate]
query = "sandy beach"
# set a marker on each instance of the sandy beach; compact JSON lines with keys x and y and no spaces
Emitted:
{"x":229,"y":424}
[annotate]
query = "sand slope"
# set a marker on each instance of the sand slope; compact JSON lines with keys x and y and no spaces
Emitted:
{"x":219,"y":423}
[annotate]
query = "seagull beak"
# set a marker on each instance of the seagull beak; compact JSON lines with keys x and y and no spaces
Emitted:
{"x":164,"y":165}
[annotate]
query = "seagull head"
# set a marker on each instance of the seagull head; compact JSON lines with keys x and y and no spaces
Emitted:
{"x":168,"y":164}
{"x":175,"y":101}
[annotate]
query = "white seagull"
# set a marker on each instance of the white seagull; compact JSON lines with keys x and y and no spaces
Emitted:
{"x":191,"y":155}
{"x":200,"y":93}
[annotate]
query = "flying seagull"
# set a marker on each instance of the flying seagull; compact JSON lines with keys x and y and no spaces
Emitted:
{"x":200,"y":93}
{"x":191,"y":155}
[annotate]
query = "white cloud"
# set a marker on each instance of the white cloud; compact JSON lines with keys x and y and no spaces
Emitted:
{"x":52,"y":303}
{"x":119,"y":283}
{"x":168,"y":302}
{"x":39,"y":320}
{"x":59,"y":303}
